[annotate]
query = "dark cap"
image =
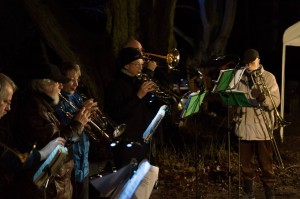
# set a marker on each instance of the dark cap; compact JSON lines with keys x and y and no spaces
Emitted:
{"x":128,"y":55}
{"x":250,"y":55}
{"x":49,"y":71}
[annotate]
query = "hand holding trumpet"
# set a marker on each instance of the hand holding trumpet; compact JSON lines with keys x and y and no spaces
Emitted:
{"x":146,"y":87}
{"x":84,"y":115}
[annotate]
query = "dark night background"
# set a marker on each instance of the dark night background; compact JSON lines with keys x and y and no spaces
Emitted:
{"x":260,"y":25}
{"x":93,"y":31}
{"x":257,"y":24}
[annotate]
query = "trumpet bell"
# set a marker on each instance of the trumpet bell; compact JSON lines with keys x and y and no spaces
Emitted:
{"x":173,"y":58}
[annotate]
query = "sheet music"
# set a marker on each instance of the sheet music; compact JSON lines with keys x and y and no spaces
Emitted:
{"x":236,"y":79}
{"x":133,"y":183}
{"x":145,"y":188}
{"x":109,"y":183}
{"x":154,"y":123}
{"x":192,"y":104}
{"x":228,"y":79}
{"x":54,"y":161}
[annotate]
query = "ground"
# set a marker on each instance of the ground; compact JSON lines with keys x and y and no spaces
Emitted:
{"x":178,"y":177}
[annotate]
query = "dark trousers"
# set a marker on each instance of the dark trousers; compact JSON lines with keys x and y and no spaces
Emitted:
{"x":263,"y":150}
{"x":81,"y":189}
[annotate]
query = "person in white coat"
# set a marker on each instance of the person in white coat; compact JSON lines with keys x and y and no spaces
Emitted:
{"x":255,"y":124}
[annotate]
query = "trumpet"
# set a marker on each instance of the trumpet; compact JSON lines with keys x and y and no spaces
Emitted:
{"x":100,"y":122}
{"x":172,"y":58}
{"x":259,"y":82}
{"x":160,"y":92}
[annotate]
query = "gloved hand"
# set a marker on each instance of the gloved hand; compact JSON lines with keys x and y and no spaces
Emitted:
{"x":256,"y":93}
{"x":45,"y":152}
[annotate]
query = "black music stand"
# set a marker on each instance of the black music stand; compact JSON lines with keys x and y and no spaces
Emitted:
{"x":225,"y":88}
{"x":192,"y":106}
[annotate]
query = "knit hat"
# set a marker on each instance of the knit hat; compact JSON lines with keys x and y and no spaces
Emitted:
{"x":49,"y":71}
{"x":128,"y":55}
{"x":250,"y":55}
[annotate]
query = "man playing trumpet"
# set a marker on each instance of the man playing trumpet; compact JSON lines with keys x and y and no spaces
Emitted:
{"x":125,"y":102}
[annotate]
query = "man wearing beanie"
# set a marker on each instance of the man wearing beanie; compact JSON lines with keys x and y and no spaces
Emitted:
{"x":125,"y":103}
{"x":255,"y":125}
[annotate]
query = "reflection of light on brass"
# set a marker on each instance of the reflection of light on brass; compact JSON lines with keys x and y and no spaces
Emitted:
{"x":160,"y":92}
{"x":259,"y":82}
{"x":99,"y":121}
{"x":183,"y":100}
{"x":22,"y":156}
{"x":172,"y":58}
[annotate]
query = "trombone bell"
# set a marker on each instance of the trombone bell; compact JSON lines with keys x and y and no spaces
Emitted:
{"x":172,"y":58}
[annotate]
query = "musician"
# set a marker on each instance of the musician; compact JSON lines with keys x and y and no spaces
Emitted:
{"x":251,"y":125}
{"x":161,"y":76}
{"x":150,"y":67}
{"x":10,"y":163}
{"x":81,"y":147}
{"x":39,"y":124}
{"x":125,"y":103}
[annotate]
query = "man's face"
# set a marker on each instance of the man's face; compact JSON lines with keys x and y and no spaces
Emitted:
{"x":52,"y":89}
{"x":6,"y":101}
{"x":135,"y":67}
{"x":74,"y":77}
{"x":253,"y":65}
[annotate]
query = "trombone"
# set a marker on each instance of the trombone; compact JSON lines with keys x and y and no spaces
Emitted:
{"x":99,"y":121}
{"x":259,"y":82}
{"x":172,"y":58}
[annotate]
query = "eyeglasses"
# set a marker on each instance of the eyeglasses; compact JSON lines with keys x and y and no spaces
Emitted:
{"x":137,"y":64}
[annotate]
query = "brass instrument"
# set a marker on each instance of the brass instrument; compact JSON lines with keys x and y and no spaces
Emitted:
{"x":160,"y":92}
{"x":100,"y":122}
{"x":172,"y":58}
{"x":259,"y":82}
{"x":22,"y":156}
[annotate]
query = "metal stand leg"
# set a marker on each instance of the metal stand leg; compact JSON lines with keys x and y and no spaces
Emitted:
{"x":229,"y":154}
{"x":239,"y":165}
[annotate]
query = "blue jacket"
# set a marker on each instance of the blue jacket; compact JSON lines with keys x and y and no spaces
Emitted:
{"x":80,"y":147}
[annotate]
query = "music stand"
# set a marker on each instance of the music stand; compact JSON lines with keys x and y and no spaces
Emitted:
{"x":228,"y":79}
{"x":191,"y":107}
{"x":108,"y":184}
{"x":148,"y":133}
{"x":138,"y":180}
{"x":193,"y":104}
{"x":225,"y":87}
